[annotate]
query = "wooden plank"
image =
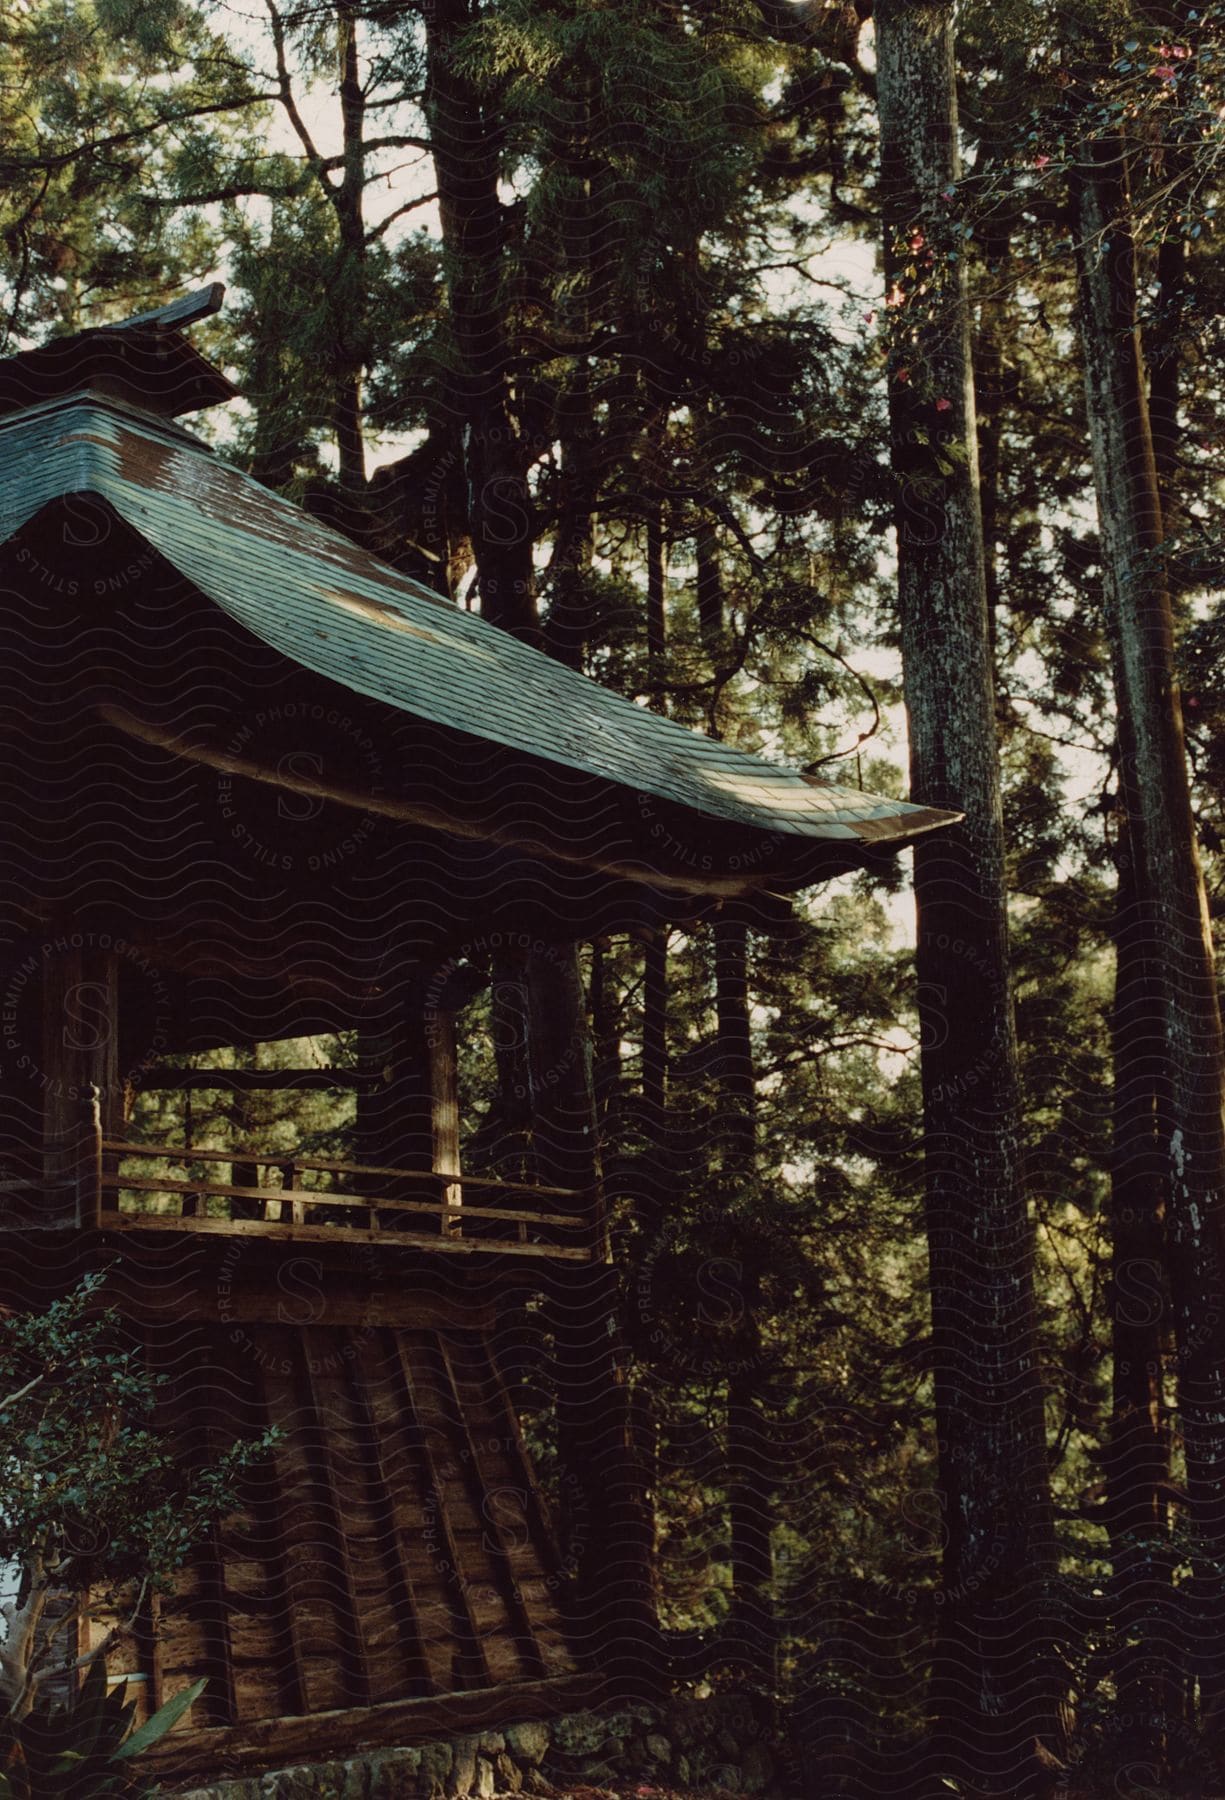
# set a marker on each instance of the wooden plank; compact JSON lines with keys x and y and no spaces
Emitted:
{"x":473,"y":1643}
{"x":444,"y":1106}
{"x":466,"y":1524}
{"x":330,"y":1646}
{"x":316,"y":1450}
{"x":293,"y":1212}
{"x":391,"y":1544}
{"x":488,"y":1517}
{"x":540,"y":1521}
{"x":506,"y":1464}
{"x":446,"y":1642}
{"x":338,"y":1234}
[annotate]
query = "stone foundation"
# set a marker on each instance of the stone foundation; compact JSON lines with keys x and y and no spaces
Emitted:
{"x":716,"y":1745}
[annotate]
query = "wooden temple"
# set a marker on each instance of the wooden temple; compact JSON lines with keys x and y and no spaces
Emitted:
{"x":259,"y":786}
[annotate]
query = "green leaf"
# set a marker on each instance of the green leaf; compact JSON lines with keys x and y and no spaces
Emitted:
{"x":164,"y":1720}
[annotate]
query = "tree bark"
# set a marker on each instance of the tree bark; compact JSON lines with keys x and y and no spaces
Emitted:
{"x":1137,"y":1458}
{"x":995,"y":1687}
{"x":1184,"y":1011}
{"x":596,"y":1442}
{"x":655,"y":1037}
{"x":348,"y":198}
{"x":737,"y":1122}
{"x":657,"y":589}
{"x":611,"y":1524}
{"x":464,"y":141}
{"x":710,"y":589}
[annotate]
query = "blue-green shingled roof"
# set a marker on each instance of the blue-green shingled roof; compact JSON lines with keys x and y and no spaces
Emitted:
{"x":335,"y":609}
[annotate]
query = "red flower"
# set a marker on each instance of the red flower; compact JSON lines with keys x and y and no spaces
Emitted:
{"x":942,"y":405}
{"x":1040,"y":162}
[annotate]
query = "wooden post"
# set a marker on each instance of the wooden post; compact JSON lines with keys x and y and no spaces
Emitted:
{"x":293,"y":1212}
{"x":411,"y":1119}
{"x":82,"y":1096}
{"x":246,"y":1174}
{"x":89,"y":1180}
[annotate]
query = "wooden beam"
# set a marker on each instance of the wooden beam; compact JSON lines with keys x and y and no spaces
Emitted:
{"x":274,"y":1230}
{"x":343,"y":1303}
{"x":457,"y":1587}
{"x":436,"y":817}
{"x":379,"y":1483}
{"x":303,"y":1197}
{"x":540,"y":1522}
{"x":268,"y":1505}
{"x":272,"y":1741}
{"x":315,"y":1455}
{"x":274,"y":1160}
{"x":256,"y":1081}
{"x":495,"y":1541}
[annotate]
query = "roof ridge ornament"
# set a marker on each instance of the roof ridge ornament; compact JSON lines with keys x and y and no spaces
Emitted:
{"x":188,"y":309}
{"x":145,"y":361}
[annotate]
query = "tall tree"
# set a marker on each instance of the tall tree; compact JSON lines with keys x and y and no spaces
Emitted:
{"x":1167,"y":901}
{"x":994,"y":1686}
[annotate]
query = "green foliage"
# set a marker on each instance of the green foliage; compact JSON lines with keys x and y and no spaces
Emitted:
{"x":94,"y":1492}
{"x":102,"y":110}
{"x":79,"y":1749}
{"x":690,"y":358}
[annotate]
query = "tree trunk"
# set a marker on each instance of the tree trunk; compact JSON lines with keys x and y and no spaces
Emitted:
{"x":657,"y":588}
{"x":710,"y":589}
{"x":348,"y":198}
{"x":1138,"y":1451}
{"x":570,"y":616}
{"x":995,"y":1686}
{"x":655,"y":1036}
{"x":1184,"y":1012}
{"x":465,"y":141}
{"x":737,"y":1121}
{"x":1163,"y":378}
{"x":610,"y":1520}
{"x":750,"y":1504}
{"x":596,"y":1442}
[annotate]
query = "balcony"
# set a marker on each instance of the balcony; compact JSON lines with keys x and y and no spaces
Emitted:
{"x":112,"y":1185}
{"x":317,"y":1200}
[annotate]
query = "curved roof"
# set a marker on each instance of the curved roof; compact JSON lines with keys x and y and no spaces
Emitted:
{"x":335,"y":609}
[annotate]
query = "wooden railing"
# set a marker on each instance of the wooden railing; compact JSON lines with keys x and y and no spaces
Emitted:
{"x":429,"y":1210}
